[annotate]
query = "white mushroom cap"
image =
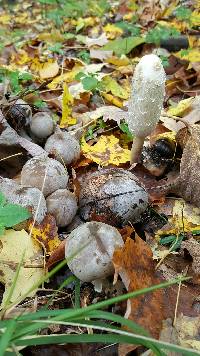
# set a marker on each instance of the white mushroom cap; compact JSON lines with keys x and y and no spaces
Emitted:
{"x":62,"y":205}
{"x":92,"y":246}
{"x":33,"y":174}
{"x":41,"y":125}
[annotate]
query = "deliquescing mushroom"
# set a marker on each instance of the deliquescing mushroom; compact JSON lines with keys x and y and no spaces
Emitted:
{"x":146,"y":101}
{"x":89,"y":250}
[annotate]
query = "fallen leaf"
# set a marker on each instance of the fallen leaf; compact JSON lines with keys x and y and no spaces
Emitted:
{"x":67,"y":101}
{"x":183,"y":107}
{"x":58,"y":254}
{"x":187,"y":329}
{"x":99,"y":41}
{"x":190,"y":54}
{"x":112,"y":86}
{"x":193,"y":247}
{"x":100,"y":54}
{"x":49,"y":70}
{"x":112,"y":99}
{"x":13,"y":245}
{"x":112,"y":30}
{"x":123,"y":45}
{"x":106,"y":151}
{"x":135,"y":266}
{"x":107,"y":112}
{"x":46,"y":234}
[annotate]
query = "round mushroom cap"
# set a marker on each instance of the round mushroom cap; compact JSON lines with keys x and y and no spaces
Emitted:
{"x":64,"y":146}
{"x":28,"y":197}
{"x":62,"y":205}
{"x":41,"y":170}
{"x":41,"y":125}
{"x":114,"y":194}
{"x":92,"y":246}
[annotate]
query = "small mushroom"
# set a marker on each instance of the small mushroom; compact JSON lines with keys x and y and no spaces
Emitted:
{"x":18,"y":114}
{"x":31,"y":198}
{"x":112,"y":196}
{"x":64,"y":146}
{"x":90,"y":249}
{"x":146,"y":101}
{"x":41,"y":125}
{"x":34,"y":171}
{"x":62,"y":205}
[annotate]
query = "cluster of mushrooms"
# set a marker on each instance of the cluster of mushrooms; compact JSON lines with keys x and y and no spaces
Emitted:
{"x":112,"y":194}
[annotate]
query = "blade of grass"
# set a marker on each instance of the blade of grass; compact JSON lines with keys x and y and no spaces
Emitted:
{"x":104,"y":338}
{"x":7,"y":335}
{"x":83,"y":312}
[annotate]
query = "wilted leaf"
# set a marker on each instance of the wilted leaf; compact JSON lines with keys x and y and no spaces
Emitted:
{"x":123,"y":45}
{"x":49,"y":70}
{"x":13,"y":245}
{"x":183,"y":107}
{"x":112,"y":30}
{"x":67,"y":101}
{"x":46,"y":233}
{"x":106,"y":151}
{"x":187,"y":329}
{"x":134,"y":263}
{"x":111,"y":85}
{"x":99,"y":41}
{"x":191,"y":55}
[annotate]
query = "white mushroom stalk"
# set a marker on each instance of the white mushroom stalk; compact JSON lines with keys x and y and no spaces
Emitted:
{"x":146,"y":101}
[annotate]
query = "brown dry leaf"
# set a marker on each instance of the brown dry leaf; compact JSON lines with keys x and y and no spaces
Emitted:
{"x":46,"y":233}
{"x":135,"y":265}
{"x":57,"y":255}
{"x":193,"y":247}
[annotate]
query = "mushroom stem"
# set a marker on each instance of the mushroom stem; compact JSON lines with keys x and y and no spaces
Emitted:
{"x":137,"y":149}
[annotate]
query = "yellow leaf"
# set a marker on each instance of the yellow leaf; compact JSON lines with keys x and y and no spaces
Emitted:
{"x":112,"y":31}
{"x":67,"y":101}
{"x":182,"y":108}
{"x":51,"y":37}
{"x":5,"y":19}
{"x":106,"y":151}
{"x":111,"y":99}
{"x":111,"y":85}
{"x":185,"y":218}
{"x":13,"y":245}
{"x":48,"y":70}
{"x":122,"y":61}
{"x":195,"y":18}
{"x":46,"y":233}
{"x":67,"y":77}
{"x":191,"y":55}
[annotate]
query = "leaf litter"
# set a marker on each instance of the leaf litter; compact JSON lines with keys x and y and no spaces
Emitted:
{"x":75,"y":61}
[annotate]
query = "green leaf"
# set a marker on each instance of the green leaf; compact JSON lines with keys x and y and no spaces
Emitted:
{"x":2,"y":230}
{"x":90,"y":83}
{"x":123,"y":45}
{"x":2,"y":199}
{"x":12,"y":214}
{"x":183,"y":13}
{"x":80,"y":75}
{"x":124,"y":127}
{"x":128,"y":27}
{"x":57,"y":48}
{"x":159,"y":33}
